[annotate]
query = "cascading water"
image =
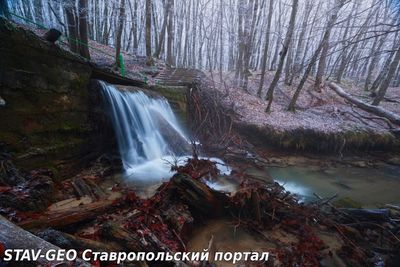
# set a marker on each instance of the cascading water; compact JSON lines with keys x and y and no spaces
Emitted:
{"x":147,"y":131}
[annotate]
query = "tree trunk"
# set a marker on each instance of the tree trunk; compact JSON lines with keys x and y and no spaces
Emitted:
{"x":249,"y":33}
{"x":389,"y":77}
{"x":69,"y":216}
{"x":148,"y":30}
{"x":266,"y":47}
{"x":160,"y":44}
{"x":170,"y":58}
{"x":105,"y":29}
{"x":83,"y":29}
{"x":394,"y":118}
{"x":121,"y":20}
{"x":322,"y":59}
{"x":72,"y":24}
{"x":300,"y":44}
{"x":292,"y":105}
{"x":288,"y":39}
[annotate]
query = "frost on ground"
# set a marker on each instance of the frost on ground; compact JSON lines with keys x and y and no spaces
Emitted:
{"x":324,"y":112}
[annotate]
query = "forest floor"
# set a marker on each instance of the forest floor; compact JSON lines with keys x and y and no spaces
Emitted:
{"x":324,"y":113}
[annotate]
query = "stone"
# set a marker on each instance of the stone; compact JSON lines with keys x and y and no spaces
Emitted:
{"x":51,"y":116}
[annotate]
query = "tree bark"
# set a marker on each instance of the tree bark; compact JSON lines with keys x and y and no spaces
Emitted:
{"x":394,"y":118}
{"x":292,"y":105}
{"x":163,"y":30}
{"x":148,"y":30}
{"x":121,"y":20}
{"x":72,"y":24}
{"x":170,"y":58}
{"x":389,"y":77}
{"x":288,"y":39}
{"x":266,"y":47}
{"x":70,"y":216}
{"x":83,"y":29}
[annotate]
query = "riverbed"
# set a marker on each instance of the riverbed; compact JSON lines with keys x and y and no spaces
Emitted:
{"x":370,"y":187}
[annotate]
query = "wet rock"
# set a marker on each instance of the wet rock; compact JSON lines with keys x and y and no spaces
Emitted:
{"x":2,"y":102}
{"x":49,"y":114}
{"x":33,"y":195}
{"x":394,"y":161}
{"x":55,"y":237}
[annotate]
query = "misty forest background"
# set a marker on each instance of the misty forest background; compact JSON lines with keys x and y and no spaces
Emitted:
{"x":345,"y":41}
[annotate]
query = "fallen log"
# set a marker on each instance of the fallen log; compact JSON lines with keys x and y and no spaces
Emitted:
{"x":130,"y":240}
{"x":198,"y":196}
{"x":68,"y":216}
{"x":392,"y":117}
{"x":14,"y":237}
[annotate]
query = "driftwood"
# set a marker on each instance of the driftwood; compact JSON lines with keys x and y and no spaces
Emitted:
{"x":140,"y":240}
{"x":374,"y":215}
{"x":394,"y":118}
{"x":128,"y":239}
{"x":179,"y":218}
{"x":198,"y":196}
{"x":14,"y":237}
{"x":68,"y":216}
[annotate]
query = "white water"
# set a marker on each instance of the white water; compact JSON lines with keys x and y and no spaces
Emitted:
{"x":136,"y":118}
{"x":141,"y":126}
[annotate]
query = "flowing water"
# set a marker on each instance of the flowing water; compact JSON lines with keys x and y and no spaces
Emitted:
{"x":149,"y":137}
{"x":138,"y":120}
{"x":150,"y":141}
{"x":370,"y":187}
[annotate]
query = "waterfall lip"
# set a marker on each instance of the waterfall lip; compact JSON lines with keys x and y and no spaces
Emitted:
{"x":137,"y":119}
{"x":149,"y":137}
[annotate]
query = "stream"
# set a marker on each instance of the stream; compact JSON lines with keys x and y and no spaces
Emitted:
{"x":370,"y":187}
{"x":151,"y":140}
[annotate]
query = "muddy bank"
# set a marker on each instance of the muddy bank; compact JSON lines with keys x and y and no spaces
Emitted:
{"x":313,"y":140}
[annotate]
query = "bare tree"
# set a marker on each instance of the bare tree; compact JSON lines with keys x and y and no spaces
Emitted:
{"x":83,"y":29}
{"x":389,"y":77}
{"x":148,"y":31}
{"x":121,"y":19}
{"x":338,"y":5}
{"x":288,"y":39}
{"x":266,"y":47}
{"x":170,"y":58}
{"x":72,"y":22}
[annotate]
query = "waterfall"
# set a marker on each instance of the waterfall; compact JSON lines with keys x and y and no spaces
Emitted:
{"x":147,"y":131}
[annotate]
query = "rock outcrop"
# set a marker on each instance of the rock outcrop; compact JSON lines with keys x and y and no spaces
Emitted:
{"x":50,"y":118}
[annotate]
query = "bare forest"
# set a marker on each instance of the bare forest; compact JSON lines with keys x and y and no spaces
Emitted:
{"x":344,"y":41}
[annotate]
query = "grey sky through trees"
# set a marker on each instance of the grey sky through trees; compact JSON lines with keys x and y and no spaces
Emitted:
{"x":230,"y":35}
